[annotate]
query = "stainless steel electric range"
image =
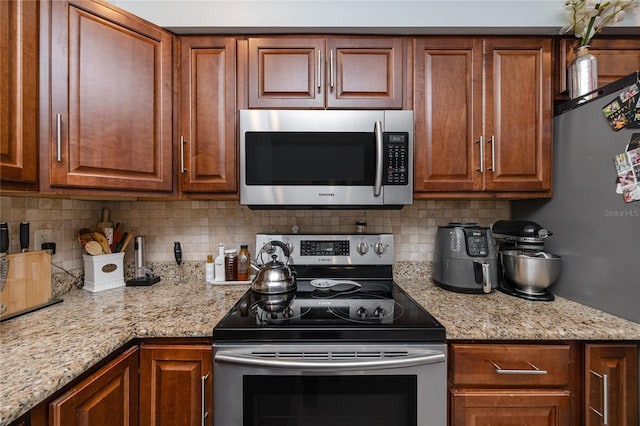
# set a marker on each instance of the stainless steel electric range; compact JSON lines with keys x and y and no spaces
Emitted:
{"x":347,"y":347}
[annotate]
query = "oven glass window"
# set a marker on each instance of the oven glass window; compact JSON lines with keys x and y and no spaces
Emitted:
{"x":310,"y":158}
{"x":330,"y":400}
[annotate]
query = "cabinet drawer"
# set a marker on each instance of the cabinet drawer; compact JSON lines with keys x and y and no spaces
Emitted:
{"x":510,"y":365}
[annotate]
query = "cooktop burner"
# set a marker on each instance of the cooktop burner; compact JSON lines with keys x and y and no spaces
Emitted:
{"x":341,"y":295}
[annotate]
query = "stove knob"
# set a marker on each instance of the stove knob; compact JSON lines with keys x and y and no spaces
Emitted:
{"x":378,"y":312}
{"x":363,"y":248}
{"x":379,"y":248}
{"x":290,"y":247}
{"x":362,"y":312}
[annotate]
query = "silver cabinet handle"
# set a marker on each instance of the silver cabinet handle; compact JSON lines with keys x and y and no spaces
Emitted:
{"x":377,"y":128}
{"x":605,"y":398}
{"x":331,"y":365}
{"x":493,"y":153}
{"x":59,"y":137}
{"x":535,"y":370}
{"x":481,"y":144}
{"x":205,"y":414}
{"x":332,"y":69}
{"x":319,"y":71}
{"x":182,"y":144}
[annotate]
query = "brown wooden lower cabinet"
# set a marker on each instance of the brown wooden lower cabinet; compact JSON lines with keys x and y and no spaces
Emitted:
{"x":176,"y":385}
{"x":510,"y":407}
{"x":108,"y":397}
{"x":545,"y":383}
{"x":611,"y":385}
{"x":513,"y":383}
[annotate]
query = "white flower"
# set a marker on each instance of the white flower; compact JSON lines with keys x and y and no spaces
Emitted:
{"x":586,"y":18}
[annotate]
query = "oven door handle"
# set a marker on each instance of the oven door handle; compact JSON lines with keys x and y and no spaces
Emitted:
{"x":314,"y":364}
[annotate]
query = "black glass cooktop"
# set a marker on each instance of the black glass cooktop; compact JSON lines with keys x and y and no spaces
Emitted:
{"x":360,"y":310}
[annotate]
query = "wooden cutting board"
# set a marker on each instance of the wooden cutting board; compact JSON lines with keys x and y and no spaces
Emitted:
{"x":28,"y":282}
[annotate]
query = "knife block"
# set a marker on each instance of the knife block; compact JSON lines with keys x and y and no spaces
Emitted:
{"x":28,"y":281}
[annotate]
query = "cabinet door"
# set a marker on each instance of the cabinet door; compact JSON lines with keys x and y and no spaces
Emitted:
{"x":611,"y":385}
{"x":617,"y":58}
{"x":448,"y":113}
{"x":107,"y":398}
{"x":176,"y":385}
{"x":365,"y":72}
{"x":518,"y":114}
{"x":18,"y":94}
{"x":111,"y":99}
{"x":286,"y":72}
{"x":509,"y":407}
{"x":207,"y":114}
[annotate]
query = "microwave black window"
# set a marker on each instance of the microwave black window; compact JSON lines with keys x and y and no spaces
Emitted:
{"x":310,"y":158}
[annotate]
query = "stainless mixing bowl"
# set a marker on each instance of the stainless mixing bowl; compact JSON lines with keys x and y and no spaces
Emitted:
{"x":532,"y":273}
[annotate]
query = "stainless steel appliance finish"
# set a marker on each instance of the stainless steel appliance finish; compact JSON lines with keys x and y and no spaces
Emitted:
{"x":274,"y":277}
{"x":326,"y":158}
{"x":532,"y":272}
{"x":395,"y":384}
{"x":347,"y":348}
{"x":465,"y":258}
{"x":525,"y":270}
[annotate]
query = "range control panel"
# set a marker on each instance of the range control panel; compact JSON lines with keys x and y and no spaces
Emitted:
{"x":326,"y":249}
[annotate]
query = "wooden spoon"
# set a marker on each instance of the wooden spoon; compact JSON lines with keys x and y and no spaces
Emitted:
{"x":93,"y":248}
{"x":103,"y":242}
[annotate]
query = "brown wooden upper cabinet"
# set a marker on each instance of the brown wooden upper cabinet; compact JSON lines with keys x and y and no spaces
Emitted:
{"x":109,"y":122}
{"x":483,"y":111}
{"x":207,"y":75}
{"x":18,"y":95}
{"x":617,"y":58}
{"x":326,"y":72}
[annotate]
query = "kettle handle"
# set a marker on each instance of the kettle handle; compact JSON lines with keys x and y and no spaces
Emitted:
{"x":283,"y":246}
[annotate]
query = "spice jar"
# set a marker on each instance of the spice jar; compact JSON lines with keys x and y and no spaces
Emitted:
{"x":243,"y":263}
{"x":231,"y":265}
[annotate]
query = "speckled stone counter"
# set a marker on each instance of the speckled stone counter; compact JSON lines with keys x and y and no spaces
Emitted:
{"x":42,"y":351}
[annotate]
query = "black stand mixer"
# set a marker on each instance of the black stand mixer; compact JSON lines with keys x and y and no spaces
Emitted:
{"x":525,"y":269}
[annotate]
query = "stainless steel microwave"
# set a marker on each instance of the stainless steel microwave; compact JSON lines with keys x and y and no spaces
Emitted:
{"x":326,"y":158}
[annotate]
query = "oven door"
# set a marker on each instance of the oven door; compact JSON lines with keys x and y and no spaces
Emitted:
{"x":338,"y":385}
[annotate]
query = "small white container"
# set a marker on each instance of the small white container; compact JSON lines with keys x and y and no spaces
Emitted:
{"x":103,"y":272}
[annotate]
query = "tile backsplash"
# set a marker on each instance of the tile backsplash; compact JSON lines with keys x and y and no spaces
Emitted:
{"x":201,"y":225}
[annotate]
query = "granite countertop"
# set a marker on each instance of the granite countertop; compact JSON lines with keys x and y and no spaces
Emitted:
{"x":44,"y":350}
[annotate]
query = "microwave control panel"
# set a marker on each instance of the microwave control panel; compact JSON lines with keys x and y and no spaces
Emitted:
{"x":396,"y":158}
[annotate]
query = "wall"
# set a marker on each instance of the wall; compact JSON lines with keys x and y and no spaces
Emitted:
{"x":359,"y":16}
{"x":201,"y":225}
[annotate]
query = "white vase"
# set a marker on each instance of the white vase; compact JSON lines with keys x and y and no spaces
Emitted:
{"x":583,"y":73}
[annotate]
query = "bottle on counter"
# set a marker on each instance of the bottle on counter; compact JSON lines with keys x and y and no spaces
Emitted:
{"x":209,"y":270}
{"x":218,"y":265}
{"x":244,"y":261}
{"x":231,"y":265}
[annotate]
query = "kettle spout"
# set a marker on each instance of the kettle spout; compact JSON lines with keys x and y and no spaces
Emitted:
{"x":254,"y":267}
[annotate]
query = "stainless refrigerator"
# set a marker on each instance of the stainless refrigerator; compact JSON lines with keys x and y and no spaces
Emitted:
{"x":595,"y":231}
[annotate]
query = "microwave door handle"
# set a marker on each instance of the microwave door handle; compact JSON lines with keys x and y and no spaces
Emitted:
{"x":377,"y":128}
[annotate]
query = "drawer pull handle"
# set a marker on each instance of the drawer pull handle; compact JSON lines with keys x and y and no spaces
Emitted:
{"x":535,"y":370}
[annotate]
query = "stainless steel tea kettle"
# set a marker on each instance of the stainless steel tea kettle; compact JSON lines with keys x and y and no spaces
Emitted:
{"x":274,"y":277}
